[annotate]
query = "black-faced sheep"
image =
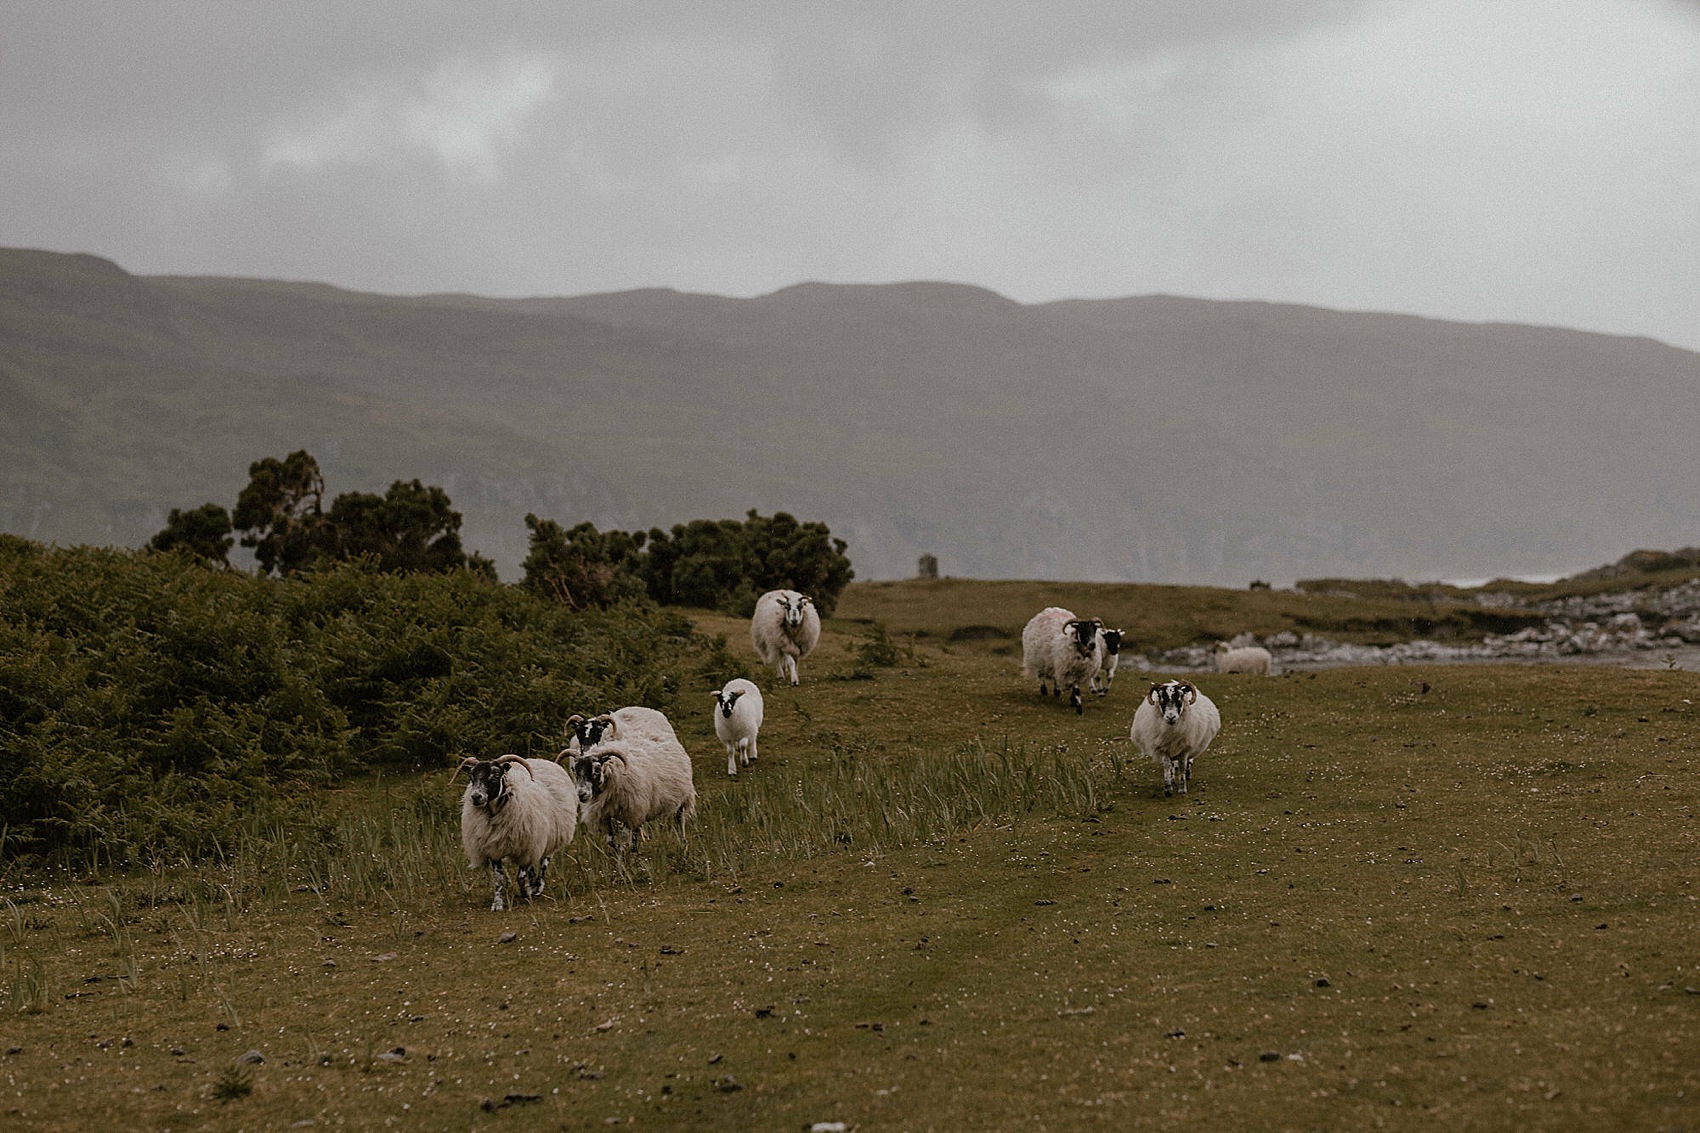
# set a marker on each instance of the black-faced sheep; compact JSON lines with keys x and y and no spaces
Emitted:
{"x":1108,"y":660}
{"x":626,"y":782}
{"x":1173,"y":726}
{"x":633,"y":721}
{"x":737,"y":719}
{"x":519,"y":810}
{"x":1062,"y":651}
{"x":784,"y":629}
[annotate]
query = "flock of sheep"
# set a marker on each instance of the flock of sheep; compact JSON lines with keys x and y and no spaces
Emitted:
{"x":624,"y":769}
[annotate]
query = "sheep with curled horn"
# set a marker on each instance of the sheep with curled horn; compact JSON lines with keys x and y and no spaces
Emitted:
{"x":1062,"y":651}
{"x":784,"y":629}
{"x":1173,"y":726}
{"x":626,"y":782}
{"x":633,"y":721}
{"x":509,"y":817}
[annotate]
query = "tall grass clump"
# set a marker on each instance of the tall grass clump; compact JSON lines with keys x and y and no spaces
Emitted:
{"x":149,"y":705}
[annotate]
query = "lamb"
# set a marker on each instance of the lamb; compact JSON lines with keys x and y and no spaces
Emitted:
{"x":1061,"y":650}
{"x":627,"y":781}
{"x":1248,"y":659}
{"x":784,"y":630}
{"x":737,"y":719}
{"x":506,"y":816}
{"x":1173,"y":726}
{"x":1112,"y":642}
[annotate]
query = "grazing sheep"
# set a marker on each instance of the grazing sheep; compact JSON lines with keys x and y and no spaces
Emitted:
{"x":1107,"y":662}
{"x":1173,"y":726}
{"x":504,"y":815}
{"x":1247,"y":659}
{"x":737,"y":719}
{"x":1061,"y":650}
{"x":631,"y":721}
{"x":784,"y":630}
{"x":626,"y":782}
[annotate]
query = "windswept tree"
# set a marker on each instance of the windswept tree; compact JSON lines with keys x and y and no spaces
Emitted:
{"x":281,"y":512}
{"x":582,"y":567}
{"x":203,"y":532}
{"x":411,"y":527}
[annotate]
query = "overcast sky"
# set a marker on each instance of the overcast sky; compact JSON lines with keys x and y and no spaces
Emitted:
{"x":1524,"y":160}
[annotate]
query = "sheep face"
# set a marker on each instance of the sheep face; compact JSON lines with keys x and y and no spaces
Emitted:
{"x":1083,"y":631}
{"x":1112,"y":641}
{"x":591,"y":775}
{"x":728,"y":701}
{"x":793,"y":610}
{"x":1171,"y":700}
{"x":488,"y":789}
{"x":589,"y":732}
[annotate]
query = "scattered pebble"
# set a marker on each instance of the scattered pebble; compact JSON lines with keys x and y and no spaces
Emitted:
{"x":250,"y":1058}
{"x":507,"y":938}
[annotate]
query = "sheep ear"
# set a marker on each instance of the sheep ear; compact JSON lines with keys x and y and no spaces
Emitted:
{"x":734,"y":695}
{"x":1191,"y":694}
{"x":469,"y":761}
{"x":1151,"y":697}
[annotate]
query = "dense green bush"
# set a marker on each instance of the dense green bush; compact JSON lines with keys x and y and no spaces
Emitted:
{"x":717,"y":564}
{"x":145,"y":701}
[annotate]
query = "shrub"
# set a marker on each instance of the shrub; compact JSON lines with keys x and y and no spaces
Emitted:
{"x":146,"y":703}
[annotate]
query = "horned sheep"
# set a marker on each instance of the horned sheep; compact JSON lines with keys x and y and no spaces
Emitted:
{"x":633,"y":721}
{"x":784,"y":629}
{"x":1253,"y":659}
{"x":1062,"y":651}
{"x":630,"y":780}
{"x":1173,"y":726}
{"x":737,"y":719}
{"x":509,"y":816}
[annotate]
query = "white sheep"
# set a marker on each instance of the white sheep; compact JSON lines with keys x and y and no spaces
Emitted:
{"x":626,"y":782}
{"x":784,"y":629}
{"x":1062,"y":651}
{"x":737,"y":719}
{"x":1248,"y":659}
{"x":526,"y":818}
{"x":633,"y":721}
{"x":1173,"y":726}
{"x":1109,"y":659}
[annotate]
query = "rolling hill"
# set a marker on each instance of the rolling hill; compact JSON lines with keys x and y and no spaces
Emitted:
{"x":1144,"y":439}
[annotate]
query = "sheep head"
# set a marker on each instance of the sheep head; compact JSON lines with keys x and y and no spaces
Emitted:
{"x":589,"y":733}
{"x":489,"y":779}
{"x":1083,"y":630}
{"x":727,"y":701}
{"x":1112,"y":641}
{"x":594,"y":774}
{"x":1171,"y":699}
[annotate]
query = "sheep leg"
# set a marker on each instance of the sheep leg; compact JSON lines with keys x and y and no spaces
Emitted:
{"x":1168,"y":776}
{"x":537,"y":878}
{"x":791,"y":669}
{"x":500,"y":881}
{"x":732,"y":760}
{"x":1074,"y":700}
{"x":750,"y":751}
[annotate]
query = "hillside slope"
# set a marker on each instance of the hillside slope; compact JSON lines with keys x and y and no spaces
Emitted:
{"x":1155,"y":438}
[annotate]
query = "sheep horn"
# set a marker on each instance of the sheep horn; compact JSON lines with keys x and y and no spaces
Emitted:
{"x":518,"y":760}
{"x":1151,"y":697}
{"x":608,"y":722}
{"x":575,"y":718}
{"x":471,"y":760}
{"x":1191,"y":693}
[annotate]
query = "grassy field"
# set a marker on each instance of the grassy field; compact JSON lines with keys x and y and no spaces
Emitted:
{"x":1465,"y":897}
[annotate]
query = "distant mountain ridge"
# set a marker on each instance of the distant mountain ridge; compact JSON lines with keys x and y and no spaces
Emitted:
{"x":1150,"y":439}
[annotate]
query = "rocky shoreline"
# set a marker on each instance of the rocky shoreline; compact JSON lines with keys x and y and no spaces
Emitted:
{"x":1648,"y":629}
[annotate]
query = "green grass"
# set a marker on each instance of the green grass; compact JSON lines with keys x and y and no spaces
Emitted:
{"x":1459,"y":897}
